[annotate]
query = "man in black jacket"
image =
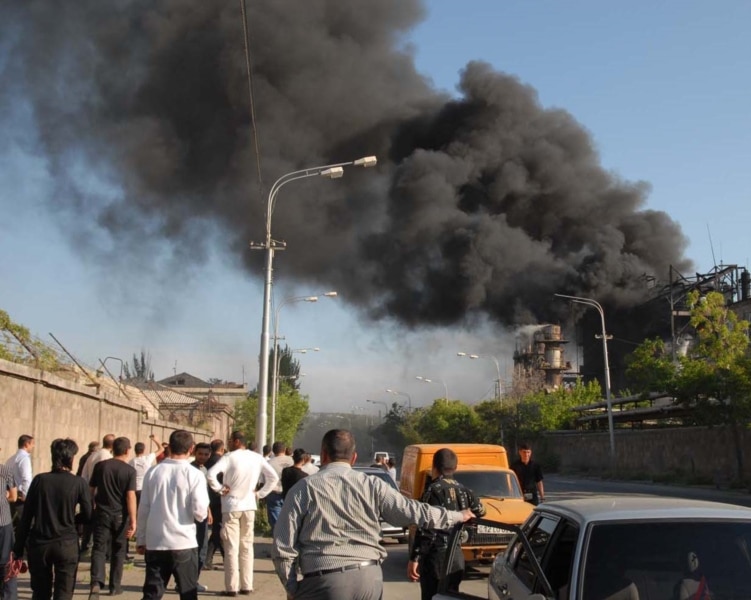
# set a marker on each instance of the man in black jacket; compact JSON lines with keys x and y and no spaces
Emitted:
{"x":431,"y":546}
{"x":215,"y":506}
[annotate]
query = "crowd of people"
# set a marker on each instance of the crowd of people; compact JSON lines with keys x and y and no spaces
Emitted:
{"x":184,"y":502}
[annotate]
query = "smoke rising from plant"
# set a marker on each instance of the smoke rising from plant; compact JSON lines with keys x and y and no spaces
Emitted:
{"x":483,"y":204}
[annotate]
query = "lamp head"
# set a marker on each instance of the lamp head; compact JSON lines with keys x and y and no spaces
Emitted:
{"x":474,"y":356}
{"x":461,"y":354}
{"x":366,"y":161}
{"x":331,"y":294}
{"x":333,"y":172}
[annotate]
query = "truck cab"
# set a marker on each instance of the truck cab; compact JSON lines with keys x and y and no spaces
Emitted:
{"x":484,"y":469}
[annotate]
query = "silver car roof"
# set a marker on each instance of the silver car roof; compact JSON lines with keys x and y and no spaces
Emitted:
{"x":642,"y":508}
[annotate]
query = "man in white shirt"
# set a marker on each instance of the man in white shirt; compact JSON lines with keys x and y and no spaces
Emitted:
{"x":104,"y":453}
{"x":309,"y":466}
{"x":173,"y":498}
{"x":241,"y":469}
{"x":142,"y":462}
{"x":20,"y":466}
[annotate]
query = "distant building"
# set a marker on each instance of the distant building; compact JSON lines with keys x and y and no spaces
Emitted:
{"x":227,"y":393}
{"x":203,"y":410}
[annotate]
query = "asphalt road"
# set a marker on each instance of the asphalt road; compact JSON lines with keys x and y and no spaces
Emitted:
{"x":397,"y":587}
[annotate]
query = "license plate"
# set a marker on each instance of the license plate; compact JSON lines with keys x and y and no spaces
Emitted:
{"x":494,"y":530}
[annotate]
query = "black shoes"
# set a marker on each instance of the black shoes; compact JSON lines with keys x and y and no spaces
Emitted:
{"x":228,"y":594}
{"x":94,"y":592}
{"x":246,"y":592}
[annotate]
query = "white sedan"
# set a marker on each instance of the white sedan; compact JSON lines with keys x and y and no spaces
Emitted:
{"x":626,"y":548}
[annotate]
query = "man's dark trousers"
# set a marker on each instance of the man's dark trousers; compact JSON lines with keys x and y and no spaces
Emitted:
{"x":202,"y":539}
{"x":215,"y":541}
{"x":60,"y":557}
{"x":109,"y":540}
{"x":9,"y":589}
{"x":161,"y":564}
{"x":16,"y":512}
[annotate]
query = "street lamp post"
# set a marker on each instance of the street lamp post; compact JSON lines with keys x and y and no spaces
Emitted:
{"x":497,"y":369}
{"x":439,"y":382}
{"x":499,"y":396}
{"x":275,"y":359}
{"x":595,"y":304}
{"x":332,"y":171}
{"x":398,"y":393}
{"x":385,"y":406}
{"x":276,"y":378}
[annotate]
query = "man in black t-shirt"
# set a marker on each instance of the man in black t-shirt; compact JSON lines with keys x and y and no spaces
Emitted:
{"x":291,"y":475}
{"x":113,"y":487}
{"x":529,"y":474}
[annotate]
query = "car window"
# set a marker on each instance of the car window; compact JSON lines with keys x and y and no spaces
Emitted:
{"x":668,"y":559}
{"x":490,"y":484}
{"x":539,"y":535}
{"x":559,"y":558}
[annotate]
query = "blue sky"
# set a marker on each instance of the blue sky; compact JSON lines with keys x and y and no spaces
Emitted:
{"x":663,"y":88}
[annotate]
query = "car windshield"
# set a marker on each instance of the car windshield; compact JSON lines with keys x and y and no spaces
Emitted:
{"x":382,"y":475}
{"x":679,"y":560}
{"x":490,"y":484}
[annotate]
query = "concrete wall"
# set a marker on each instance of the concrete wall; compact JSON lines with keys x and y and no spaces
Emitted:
{"x":696,"y":451}
{"x":46,"y":406}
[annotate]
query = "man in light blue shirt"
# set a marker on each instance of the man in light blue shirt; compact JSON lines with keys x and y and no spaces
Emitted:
{"x":20,"y":465}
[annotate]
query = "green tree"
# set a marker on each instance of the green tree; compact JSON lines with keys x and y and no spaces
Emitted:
{"x":397,"y":428}
{"x":289,"y":367}
{"x":650,"y":367}
{"x":448,"y":421}
{"x":291,"y":410}
{"x":139,"y":368}
{"x":713,"y":380}
{"x":18,"y":345}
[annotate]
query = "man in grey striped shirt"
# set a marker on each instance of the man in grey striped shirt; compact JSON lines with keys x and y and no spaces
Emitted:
{"x":329,"y":528}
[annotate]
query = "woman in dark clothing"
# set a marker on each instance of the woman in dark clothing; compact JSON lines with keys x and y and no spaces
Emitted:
{"x":48,"y":525}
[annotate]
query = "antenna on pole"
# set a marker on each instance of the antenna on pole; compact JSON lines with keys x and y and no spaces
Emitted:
{"x":711,"y":246}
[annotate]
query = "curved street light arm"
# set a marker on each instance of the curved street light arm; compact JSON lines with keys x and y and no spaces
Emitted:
{"x":488,"y":357}
{"x":397,"y":392}
{"x":263,"y":370}
{"x":598,"y":306}
{"x":436,"y":381}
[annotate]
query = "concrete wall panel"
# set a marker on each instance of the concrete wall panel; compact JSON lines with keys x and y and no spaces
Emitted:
{"x":46,"y":406}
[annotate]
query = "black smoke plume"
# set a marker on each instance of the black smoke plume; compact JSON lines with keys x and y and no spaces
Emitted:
{"x":483,"y":204}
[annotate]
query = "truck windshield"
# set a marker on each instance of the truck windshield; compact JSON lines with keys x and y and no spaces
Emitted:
{"x":658,"y":559}
{"x":490,"y":484}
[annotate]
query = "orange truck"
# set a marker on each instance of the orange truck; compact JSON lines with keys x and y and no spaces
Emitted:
{"x":484,"y":469}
